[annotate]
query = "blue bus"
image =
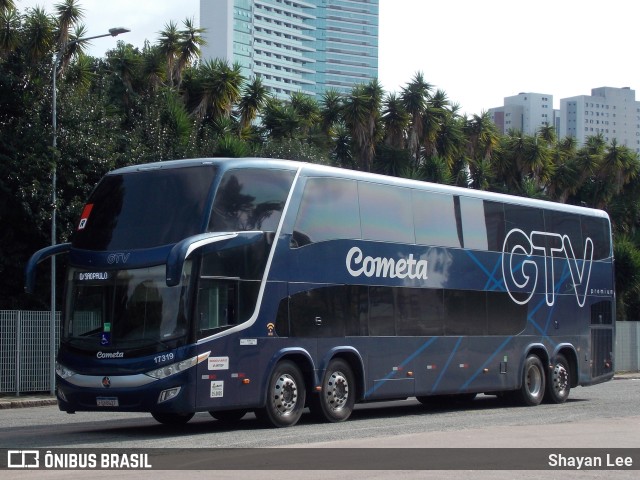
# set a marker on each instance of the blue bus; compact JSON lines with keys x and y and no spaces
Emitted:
{"x":236,"y":285}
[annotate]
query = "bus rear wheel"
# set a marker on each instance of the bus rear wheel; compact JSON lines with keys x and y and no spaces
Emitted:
{"x":559,"y":381}
{"x":532,"y":390}
{"x":172,"y":418}
{"x":335,"y":401}
{"x":285,"y":396}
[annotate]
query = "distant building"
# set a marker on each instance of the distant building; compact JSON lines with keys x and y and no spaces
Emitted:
{"x":304,"y":46}
{"x":612,"y":112}
{"x":525,"y":112}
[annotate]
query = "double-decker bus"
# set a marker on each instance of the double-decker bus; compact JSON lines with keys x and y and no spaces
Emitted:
{"x":236,"y":285}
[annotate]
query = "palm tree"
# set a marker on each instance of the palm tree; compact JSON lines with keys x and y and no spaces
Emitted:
{"x":254,"y":96}
{"x":153,"y":67}
{"x":280,"y":120}
{"x":39,"y":34}
{"x":361,"y":114}
{"x":188,"y":48}
{"x":395,"y":120}
{"x":432,"y":121}
{"x":308,"y":111}
{"x":330,"y":109}
{"x":169,"y":43}
{"x":125,"y":62}
{"x":10,"y":24}
{"x":7,"y":5}
{"x":564,"y":181}
{"x":415,"y":96}
{"x":69,"y":13}
{"x":216,"y":89}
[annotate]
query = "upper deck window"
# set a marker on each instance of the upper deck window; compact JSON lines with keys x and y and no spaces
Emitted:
{"x":145,"y":209}
{"x":250,"y":199}
{"x":328,"y":211}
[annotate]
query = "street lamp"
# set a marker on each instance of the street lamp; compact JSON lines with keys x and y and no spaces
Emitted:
{"x":56,"y":63}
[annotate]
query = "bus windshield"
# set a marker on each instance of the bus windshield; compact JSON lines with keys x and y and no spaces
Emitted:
{"x":145,"y":209}
{"x":125,"y":309}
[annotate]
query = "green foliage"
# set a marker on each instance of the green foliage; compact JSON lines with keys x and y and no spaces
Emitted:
{"x":627,"y":255}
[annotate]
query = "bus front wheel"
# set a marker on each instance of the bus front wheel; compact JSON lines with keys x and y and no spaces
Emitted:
{"x":532,"y":390}
{"x":285,"y":396}
{"x":334,"y":403}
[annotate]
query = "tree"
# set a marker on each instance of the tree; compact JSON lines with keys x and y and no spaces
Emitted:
{"x":414,"y":96}
{"x":361,"y":114}
{"x":69,"y":14}
{"x":10,"y":24}
{"x":254,"y":97}
{"x":169,"y":43}
{"x":395,"y":120}
{"x":214,"y":89}
{"x":188,"y":48}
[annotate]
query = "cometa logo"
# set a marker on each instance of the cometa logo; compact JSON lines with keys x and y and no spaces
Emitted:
{"x":381,"y":267}
{"x":110,"y":355}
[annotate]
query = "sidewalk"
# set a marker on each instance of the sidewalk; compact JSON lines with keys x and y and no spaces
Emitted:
{"x":44,"y":399}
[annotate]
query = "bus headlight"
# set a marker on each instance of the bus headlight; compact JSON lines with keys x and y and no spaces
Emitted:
{"x":64,"y":372}
{"x":168,"y":370}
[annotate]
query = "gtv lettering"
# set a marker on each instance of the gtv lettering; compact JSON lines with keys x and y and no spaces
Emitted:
{"x":521,"y":272}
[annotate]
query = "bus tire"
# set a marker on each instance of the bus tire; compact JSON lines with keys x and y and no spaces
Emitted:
{"x":228,"y":416}
{"x":334,"y":403}
{"x":286,"y":396}
{"x":532,"y":390}
{"x":558,"y":381}
{"x":172,"y":418}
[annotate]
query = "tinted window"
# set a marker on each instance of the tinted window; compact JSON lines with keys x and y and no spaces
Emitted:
{"x":597,"y":229}
{"x":435,"y":219}
{"x":474,"y":229}
{"x":494,"y":222}
{"x":386,"y":213}
{"x":145,"y":209}
{"x":526,"y":219}
{"x":326,"y":312}
{"x":328,"y":211}
{"x":465,"y":312}
{"x":223,"y":303}
{"x":250,"y":199}
{"x":563,"y":223}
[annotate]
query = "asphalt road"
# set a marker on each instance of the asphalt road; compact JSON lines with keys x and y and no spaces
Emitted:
{"x":601,"y":417}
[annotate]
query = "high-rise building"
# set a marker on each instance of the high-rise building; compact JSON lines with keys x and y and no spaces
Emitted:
{"x":304,"y":46}
{"x":612,"y":112}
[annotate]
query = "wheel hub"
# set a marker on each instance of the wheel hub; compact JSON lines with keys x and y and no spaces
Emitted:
{"x":285,"y":395}
{"x":337,"y":390}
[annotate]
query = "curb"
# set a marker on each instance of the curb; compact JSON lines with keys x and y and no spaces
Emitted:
{"x":45,"y":402}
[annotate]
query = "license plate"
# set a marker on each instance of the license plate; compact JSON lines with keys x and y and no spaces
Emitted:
{"x":107,"y":401}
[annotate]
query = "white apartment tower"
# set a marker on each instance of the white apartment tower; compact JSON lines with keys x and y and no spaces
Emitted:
{"x":612,"y":112}
{"x":525,"y":112}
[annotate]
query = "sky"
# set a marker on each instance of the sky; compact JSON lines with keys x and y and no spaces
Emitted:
{"x":477,"y":51}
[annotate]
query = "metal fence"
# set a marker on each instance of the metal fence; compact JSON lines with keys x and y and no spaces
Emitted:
{"x":25,"y":364}
{"x":25,"y":356}
{"x":627,"y":346}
